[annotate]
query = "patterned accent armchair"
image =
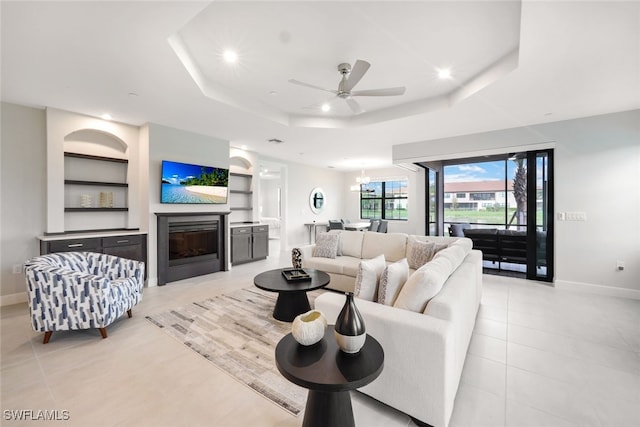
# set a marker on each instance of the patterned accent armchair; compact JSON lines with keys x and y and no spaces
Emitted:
{"x":81,"y":290}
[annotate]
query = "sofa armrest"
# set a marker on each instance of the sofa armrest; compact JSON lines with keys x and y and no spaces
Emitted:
{"x":418,"y":376}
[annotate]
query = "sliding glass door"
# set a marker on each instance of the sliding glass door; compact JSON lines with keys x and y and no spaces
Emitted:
{"x":540,"y":225}
{"x":502,"y":202}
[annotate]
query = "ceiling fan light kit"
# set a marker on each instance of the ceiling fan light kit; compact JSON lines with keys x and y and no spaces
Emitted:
{"x":350,"y":78}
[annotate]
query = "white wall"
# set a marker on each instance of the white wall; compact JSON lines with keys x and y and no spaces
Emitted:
{"x":22,"y":194}
{"x":415,"y":198}
{"x":597,"y":171}
{"x":177,"y":145}
{"x":298,"y":180}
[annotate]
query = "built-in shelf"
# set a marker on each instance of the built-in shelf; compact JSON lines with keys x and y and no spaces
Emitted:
{"x":96,"y":209}
{"x":241,"y":196}
{"x":91,"y":157}
{"x":96,"y":183}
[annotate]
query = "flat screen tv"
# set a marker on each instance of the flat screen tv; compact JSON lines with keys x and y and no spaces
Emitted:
{"x":187,"y":183}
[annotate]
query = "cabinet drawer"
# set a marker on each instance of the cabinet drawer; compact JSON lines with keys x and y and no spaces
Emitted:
{"x":74,"y":245}
{"x":121,"y":240}
{"x":260,"y":228}
{"x":241,"y":230}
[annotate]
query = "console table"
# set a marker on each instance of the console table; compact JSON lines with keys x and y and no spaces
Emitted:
{"x":329,"y":374}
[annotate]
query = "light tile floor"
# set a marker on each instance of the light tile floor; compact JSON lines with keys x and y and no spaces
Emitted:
{"x":538,"y":357}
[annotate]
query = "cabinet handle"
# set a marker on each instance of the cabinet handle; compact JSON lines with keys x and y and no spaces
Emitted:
{"x":75,"y":245}
{"x":122,"y":241}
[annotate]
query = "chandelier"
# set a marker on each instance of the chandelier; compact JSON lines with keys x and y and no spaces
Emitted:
{"x":360,"y":181}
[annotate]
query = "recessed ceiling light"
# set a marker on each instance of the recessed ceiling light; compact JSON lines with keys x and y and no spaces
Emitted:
{"x":106,"y":116}
{"x":230,"y":56}
{"x":326,"y":107}
{"x":444,"y":73}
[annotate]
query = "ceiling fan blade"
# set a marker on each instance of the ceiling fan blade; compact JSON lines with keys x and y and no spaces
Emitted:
{"x":390,"y":91}
{"x":299,"y":83}
{"x":357,"y":71}
{"x":355,"y":107}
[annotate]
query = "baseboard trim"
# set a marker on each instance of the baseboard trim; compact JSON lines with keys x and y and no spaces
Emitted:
{"x":11,"y":299}
{"x":598,"y":289}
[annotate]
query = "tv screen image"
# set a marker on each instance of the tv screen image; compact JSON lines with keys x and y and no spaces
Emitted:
{"x":187,"y":183}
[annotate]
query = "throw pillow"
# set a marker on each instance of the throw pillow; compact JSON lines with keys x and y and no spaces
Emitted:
{"x":369,"y":273}
{"x":393,"y":278}
{"x":423,"y":284}
{"x":419,"y":253}
{"x":326,"y":245}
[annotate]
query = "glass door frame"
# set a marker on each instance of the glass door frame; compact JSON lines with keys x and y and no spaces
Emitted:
{"x":548,"y":215}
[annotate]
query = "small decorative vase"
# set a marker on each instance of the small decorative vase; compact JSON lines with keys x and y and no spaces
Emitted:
{"x":308,"y":328}
{"x":350,"y":332}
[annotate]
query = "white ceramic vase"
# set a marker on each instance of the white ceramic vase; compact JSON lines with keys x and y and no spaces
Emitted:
{"x":308,"y":328}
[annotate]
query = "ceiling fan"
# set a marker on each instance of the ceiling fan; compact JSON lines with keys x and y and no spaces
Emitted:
{"x":350,"y":78}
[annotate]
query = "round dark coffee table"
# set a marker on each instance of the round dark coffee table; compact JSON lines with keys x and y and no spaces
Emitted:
{"x":292,"y":296}
{"x":329,"y":374}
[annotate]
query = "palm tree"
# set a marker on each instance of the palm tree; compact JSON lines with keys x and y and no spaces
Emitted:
{"x":520,"y":192}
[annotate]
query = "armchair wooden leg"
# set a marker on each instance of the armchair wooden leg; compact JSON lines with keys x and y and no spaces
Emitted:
{"x":129,"y":313}
{"x":103,"y":332}
{"x":47,"y":337}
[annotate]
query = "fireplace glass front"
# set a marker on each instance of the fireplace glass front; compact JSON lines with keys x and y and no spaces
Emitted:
{"x":189,"y":242}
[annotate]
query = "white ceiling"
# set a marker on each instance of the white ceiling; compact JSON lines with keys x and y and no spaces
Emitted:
{"x":575,"y":59}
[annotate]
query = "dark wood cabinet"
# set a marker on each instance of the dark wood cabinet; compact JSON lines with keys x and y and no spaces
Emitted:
{"x":131,"y":246}
{"x":249,"y":243}
{"x":260,"y":242}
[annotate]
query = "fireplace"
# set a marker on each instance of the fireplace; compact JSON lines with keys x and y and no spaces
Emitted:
{"x":190,"y":244}
{"x":192,"y":241}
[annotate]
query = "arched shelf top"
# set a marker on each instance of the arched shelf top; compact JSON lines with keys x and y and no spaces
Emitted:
{"x":99,"y":137}
{"x":241,"y":162}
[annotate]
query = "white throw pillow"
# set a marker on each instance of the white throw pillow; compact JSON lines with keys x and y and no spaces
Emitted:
{"x":423,"y":284}
{"x":326,"y":245}
{"x":368,"y":276}
{"x":393,"y":278}
{"x":419,"y":253}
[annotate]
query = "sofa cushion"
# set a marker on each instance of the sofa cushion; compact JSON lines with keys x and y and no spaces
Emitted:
{"x":423,"y":285}
{"x":368,"y":277}
{"x":326,"y":245}
{"x":350,"y":265}
{"x":393,"y":278}
{"x":328,"y":265}
{"x":454,"y":253}
{"x":352,"y":243}
{"x":419,"y":253}
{"x":337,"y":232}
{"x":392,"y":245}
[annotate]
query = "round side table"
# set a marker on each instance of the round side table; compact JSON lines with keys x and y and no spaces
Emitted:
{"x":292,"y":296}
{"x":329,"y":374}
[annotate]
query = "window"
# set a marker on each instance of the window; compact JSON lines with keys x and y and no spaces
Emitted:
{"x":482,"y":196}
{"x":384,"y":199}
{"x":461,"y":195}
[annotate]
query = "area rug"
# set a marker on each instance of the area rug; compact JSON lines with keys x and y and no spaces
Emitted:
{"x":238,"y":334}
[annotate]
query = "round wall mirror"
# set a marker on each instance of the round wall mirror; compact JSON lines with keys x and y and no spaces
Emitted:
{"x":316,"y":200}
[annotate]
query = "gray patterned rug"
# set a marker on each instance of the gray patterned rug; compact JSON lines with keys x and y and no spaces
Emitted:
{"x":238,"y":333}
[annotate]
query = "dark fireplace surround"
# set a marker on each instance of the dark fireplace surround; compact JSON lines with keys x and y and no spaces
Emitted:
{"x":190,"y":244}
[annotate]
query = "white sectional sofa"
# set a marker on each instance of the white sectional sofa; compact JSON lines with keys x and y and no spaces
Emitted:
{"x":424,"y":352}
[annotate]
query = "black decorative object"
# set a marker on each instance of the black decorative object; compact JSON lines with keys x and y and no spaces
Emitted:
{"x":350,"y":331}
